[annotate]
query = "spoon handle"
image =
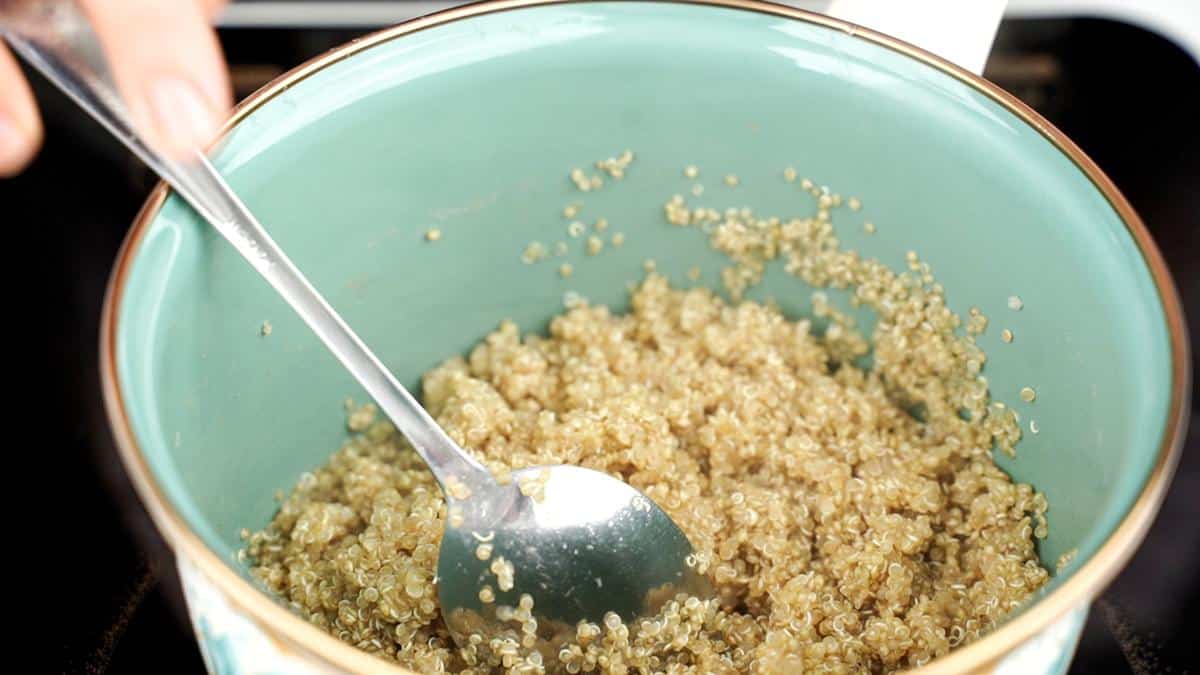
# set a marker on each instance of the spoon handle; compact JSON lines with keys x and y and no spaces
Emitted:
{"x":57,"y":39}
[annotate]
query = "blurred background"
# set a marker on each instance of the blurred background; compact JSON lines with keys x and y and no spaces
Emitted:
{"x":1122,"y":79}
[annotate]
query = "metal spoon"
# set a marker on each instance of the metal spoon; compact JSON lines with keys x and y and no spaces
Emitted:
{"x":578,"y":542}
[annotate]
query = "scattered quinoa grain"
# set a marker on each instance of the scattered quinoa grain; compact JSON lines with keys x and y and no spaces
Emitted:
{"x":789,"y":174}
{"x":570,"y":211}
{"x":1033,"y":427}
{"x":565,"y":270}
{"x":265,"y":329}
{"x":594,"y":245}
{"x":693,"y":273}
{"x":572,"y":300}
{"x":616,"y":166}
{"x":433,"y":234}
{"x":580,"y":179}
{"x":731,"y":180}
{"x":457,"y":489}
{"x":854,"y":204}
{"x":1006,"y":335}
{"x":1015,"y":303}
{"x":691,"y":171}
{"x":534,"y":252}
{"x":977,"y":322}
{"x":869,"y":227}
{"x":361,"y":418}
{"x":504,"y":572}
{"x":1028,"y":394}
{"x":534,"y":486}
{"x":697,"y":190}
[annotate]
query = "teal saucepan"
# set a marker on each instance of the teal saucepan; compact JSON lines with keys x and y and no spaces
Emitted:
{"x":467,"y":123}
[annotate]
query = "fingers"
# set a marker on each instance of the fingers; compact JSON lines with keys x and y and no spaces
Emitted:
{"x":212,"y":8}
{"x":168,"y":65}
{"x":20,"y":128}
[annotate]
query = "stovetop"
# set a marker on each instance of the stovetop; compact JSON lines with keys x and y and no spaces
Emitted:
{"x":1129,"y":98}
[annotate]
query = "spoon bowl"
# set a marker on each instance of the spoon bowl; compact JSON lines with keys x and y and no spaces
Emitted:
{"x":579,"y":543}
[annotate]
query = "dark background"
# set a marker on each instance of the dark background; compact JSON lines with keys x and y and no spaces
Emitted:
{"x":112,"y":603}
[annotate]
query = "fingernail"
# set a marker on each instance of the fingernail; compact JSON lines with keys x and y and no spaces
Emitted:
{"x":14,"y":147}
{"x":183,"y":118}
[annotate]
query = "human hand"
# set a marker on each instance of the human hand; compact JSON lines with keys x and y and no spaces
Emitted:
{"x":166,"y":61}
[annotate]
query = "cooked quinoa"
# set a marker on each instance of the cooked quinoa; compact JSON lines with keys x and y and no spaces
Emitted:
{"x":852,"y":519}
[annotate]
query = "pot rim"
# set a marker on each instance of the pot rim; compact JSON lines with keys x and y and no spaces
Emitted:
{"x":291,"y":633}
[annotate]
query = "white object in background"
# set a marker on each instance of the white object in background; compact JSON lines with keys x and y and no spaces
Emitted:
{"x":1176,"y":20}
{"x":960,"y":31}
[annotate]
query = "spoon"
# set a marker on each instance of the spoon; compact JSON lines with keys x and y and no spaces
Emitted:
{"x":521,"y":561}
